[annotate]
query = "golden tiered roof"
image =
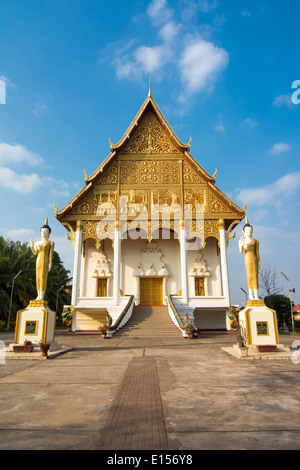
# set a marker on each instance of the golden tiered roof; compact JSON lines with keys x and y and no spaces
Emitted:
{"x":151,"y":165}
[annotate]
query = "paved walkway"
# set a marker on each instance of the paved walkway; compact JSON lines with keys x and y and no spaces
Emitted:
{"x":136,"y":420}
{"x":204,"y":398}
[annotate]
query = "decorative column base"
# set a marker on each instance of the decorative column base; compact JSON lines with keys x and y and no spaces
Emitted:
{"x":35,"y":323}
{"x":260,"y":324}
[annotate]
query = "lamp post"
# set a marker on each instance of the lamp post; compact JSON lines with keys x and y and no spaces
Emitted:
{"x":11,"y":296}
{"x":290,"y":290}
{"x":246,"y":294}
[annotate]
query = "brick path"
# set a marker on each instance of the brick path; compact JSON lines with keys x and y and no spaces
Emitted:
{"x":135,"y":419}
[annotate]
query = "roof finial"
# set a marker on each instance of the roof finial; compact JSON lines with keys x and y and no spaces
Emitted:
{"x":149,"y":94}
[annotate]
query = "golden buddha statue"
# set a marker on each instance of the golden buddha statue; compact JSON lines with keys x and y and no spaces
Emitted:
{"x":44,"y":251}
{"x":250,"y":247}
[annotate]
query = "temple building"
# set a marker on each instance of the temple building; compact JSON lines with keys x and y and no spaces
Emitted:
{"x":150,"y":228}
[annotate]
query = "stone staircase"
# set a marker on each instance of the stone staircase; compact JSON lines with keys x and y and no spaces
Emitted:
{"x":149,"y":322}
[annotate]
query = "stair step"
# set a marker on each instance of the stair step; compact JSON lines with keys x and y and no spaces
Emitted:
{"x":149,"y":322}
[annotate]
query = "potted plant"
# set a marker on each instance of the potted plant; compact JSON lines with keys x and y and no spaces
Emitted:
{"x":26,"y":347}
{"x":189,"y":327}
{"x":44,"y":347}
{"x":104,"y":328}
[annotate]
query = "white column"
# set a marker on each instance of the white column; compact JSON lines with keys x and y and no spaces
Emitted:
{"x":183,"y":263}
{"x":224,"y":264}
{"x":77,"y":263}
{"x":117,"y":261}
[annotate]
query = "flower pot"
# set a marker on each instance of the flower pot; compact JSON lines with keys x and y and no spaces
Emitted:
{"x":23,"y":348}
{"x":190,"y":335}
{"x":44,"y":350}
{"x":244,"y":352}
{"x":265,"y":348}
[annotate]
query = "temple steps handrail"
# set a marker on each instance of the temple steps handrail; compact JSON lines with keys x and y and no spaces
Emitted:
{"x":122,"y":316}
{"x":178,"y":322}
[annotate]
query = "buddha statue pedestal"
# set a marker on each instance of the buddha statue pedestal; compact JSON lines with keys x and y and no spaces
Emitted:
{"x":260,"y":324}
{"x":35,"y":323}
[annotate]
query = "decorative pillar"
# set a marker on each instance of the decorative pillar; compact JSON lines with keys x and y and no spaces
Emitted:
{"x":117,"y":261}
{"x":184,"y":268}
{"x":224,"y":264}
{"x":77,"y":263}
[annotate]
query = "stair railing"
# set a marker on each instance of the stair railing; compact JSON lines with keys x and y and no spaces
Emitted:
{"x":123,"y":318}
{"x":175,"y":317}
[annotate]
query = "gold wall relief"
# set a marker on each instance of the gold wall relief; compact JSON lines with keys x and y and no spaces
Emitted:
{"x":217,"y":206}
{"x":98,"y":230}
{"x":89,"y":230}
{"x":170,"y":172}
{"x":110,"y":176}
{"x":150,"y":173}
{"x":129,"y":172}
{"x":211,"y":229}
{"x":190,"y":176}
{"x":194,"y":197}
{"x":104,"y":202}
{"x":84,"y":207}
{"x":149,"y":138}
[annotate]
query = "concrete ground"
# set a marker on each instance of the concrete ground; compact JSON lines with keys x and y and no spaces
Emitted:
{"x":211,"y":400}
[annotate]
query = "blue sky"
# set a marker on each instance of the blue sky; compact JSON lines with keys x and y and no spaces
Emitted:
{"x":76,"y":72}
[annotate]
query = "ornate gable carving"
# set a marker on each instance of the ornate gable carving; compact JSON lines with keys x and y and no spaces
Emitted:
{"x":217,"y":206}
{"x":190,"y":176}
{"x":110,"y":176}
{"x":149,"y":138}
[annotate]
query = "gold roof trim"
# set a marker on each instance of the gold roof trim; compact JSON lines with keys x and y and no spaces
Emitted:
{"x":161,"y":118}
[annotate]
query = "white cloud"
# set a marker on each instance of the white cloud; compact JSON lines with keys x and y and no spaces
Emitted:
{"x":246,"y":13}
{"x":220,"y":126}
{"x":284,"y":187}
{"x":17,"y":154}
{"x":283,"y":100}
{"x":158,"y":11}
{"x":145,"y":60}
{"x":149,"y":59}
{"x":169,"y":31}
{"x":198,"y":62}
{"x":20,"y":233}
{"x":207,"y":6}
{"x":251,"y":122}
{"x":29,"y":183}
{"x":39,"y":108}
{"x":200,"y":65}
{"x":279,"y":148}
{"x":21,"y":183}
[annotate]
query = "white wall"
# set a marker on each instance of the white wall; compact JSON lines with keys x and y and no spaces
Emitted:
{"x":210,"y":319}
{"x":130,"y":254}
{"x":130,"y":257}
{"x":88,"y":265}
{"x":213,"y":263}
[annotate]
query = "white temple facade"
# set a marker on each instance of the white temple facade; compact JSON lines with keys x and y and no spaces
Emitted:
{"x":150,"y":227}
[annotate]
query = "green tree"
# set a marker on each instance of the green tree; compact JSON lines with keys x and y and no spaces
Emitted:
{"x":282,"y":305}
